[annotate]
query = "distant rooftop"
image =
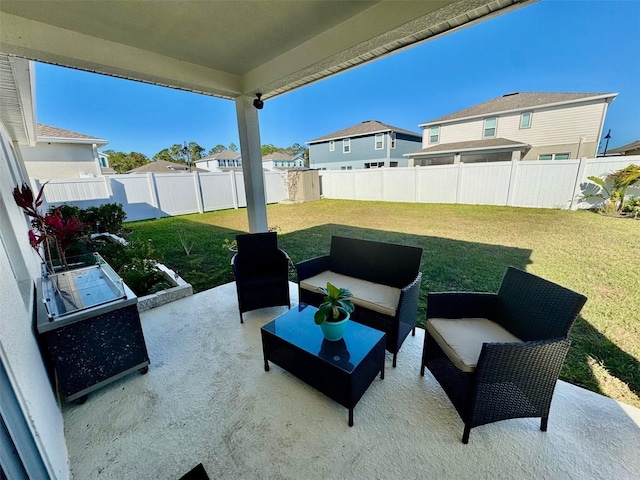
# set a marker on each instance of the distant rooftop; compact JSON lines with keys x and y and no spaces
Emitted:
{"x":223,"y":155}
{"x":162,"y":166}
{"x":517,"y":101}
{"x":630,"y":147}
{"x":277,"y":156}
{"x":365,"y":128}
{"x":49,"y":132}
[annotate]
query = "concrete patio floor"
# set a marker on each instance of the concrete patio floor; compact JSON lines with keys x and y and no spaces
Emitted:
{"x":207,"y":399}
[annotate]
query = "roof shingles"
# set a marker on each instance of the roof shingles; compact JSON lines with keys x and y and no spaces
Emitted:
{"x":48,"y":131}
{"x":364,"y":128}
{"x":515,"y":101}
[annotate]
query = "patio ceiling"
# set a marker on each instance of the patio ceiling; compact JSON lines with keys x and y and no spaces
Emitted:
{"x":228,"y":48}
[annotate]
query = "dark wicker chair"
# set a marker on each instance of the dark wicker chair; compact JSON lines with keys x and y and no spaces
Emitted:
{"x":261,"y":271}
{"x":511,"y":379}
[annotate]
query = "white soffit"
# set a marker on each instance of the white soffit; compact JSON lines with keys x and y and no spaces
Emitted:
{"x":17,"y":108}
{"x":228,"y":48}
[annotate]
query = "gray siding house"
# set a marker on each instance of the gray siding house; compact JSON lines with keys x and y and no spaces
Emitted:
{"x":370,"y":144}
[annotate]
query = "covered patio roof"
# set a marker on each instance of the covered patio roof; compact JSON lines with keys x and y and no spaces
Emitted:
{"x":230,"y":49}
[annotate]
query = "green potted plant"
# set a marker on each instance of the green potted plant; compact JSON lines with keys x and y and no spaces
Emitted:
{"x":334,"y":311}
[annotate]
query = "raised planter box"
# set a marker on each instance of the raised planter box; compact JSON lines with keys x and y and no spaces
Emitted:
{"x":179,"y":290}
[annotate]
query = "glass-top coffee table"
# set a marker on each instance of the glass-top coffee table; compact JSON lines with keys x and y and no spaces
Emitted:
{"x":342,"y":370}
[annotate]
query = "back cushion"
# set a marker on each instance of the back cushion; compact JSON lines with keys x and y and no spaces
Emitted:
{"x":533,"y":308}
{"x":385,"y":263}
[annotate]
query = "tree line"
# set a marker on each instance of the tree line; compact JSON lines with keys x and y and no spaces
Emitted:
{"x":189,"y":153}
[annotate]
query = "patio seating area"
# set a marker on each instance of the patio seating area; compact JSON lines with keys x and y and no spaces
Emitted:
{"x":207,"y":399}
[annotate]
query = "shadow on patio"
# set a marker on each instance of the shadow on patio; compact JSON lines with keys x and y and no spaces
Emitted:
{"x":208,"y":399}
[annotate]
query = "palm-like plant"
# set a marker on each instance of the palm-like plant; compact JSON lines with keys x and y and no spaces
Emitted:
{"x":613,"y":187}
{"x":335,"y":306}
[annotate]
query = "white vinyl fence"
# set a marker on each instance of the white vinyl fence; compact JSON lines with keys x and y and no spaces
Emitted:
{"x":542,"y":184}
{"x":145,"y":196}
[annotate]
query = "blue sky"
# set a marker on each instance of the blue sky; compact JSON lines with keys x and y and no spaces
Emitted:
{"x":552,"y":45}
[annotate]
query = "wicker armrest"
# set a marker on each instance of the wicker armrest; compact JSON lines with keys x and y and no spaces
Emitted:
{"x":461,"y":305}
{"x":312,"y":267}
{"x":408,"y":303}
{"x":539,"y":359}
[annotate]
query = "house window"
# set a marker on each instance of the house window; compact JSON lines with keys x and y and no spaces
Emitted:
{"x":374,"y":165}
{"x":379,"y":141}
{"x":554,"y":156}
{"x":490,"y":127}
{"x":332,"y":146}
{"x":346,"y":168}
{"x":434,"y":134}
{"x":346,"y":145}
{"x":393,"y":164}
{"x":525,"y":120}
{"x":393,"y":140}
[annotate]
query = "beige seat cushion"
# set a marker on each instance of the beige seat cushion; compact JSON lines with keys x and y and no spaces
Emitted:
{"x":461,"y":339}
{"x":372,"y":296}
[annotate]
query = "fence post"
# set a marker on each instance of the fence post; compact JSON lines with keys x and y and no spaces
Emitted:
{"x":198,"y":187}
{"x":511,"y":188}
{"x":459,"y":182}
{"x":416,"y":177}
{"x":108,"y":187}
{"x":234,"y":188}
{"x":576,"y":185}
{"x":153,"y":189}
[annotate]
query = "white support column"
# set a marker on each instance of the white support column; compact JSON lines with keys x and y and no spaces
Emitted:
{"x":249,"y":130}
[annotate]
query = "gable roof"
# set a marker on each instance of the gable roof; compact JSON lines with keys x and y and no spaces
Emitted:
{"x":277,"y":156}
{"x":223,"y":155}
{"x":467,"y":146}
{"x":368,"y":127}
{"x":48,"y":133}
{"x":626,"y":148}
{"x":162,"y":166}
{"x":513,"y":102}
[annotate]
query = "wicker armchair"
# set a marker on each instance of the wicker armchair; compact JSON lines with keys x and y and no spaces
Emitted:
{"x":261,"y":271}
{"x":498,"y":356}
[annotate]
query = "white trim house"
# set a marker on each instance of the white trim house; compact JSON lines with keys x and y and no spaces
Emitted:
{"x":517,"y":126}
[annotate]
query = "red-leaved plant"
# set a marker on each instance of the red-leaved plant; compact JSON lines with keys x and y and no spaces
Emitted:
{"x":50,"y":227}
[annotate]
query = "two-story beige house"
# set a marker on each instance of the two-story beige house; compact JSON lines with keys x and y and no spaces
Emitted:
{"x":59,"y":153}
{"x":517,"y":126}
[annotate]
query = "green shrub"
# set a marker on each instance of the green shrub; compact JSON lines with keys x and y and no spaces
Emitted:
{"x":105,"y":218}
{"x":135,"y":263}
{"x":67,"y":211}
{"x":111,"y":217}
{"x":632,"y":206}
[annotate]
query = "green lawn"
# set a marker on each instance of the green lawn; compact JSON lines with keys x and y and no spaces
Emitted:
{"x":466,"y":247}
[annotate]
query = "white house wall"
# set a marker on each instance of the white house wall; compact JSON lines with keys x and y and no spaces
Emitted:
{"x":553,"y":130}
{"x":53,"y":160}
{"x":18,"y":349}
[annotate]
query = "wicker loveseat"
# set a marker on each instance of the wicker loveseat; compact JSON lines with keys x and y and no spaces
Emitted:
{"x":383,"y":277}
{"x":498,"y":356}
